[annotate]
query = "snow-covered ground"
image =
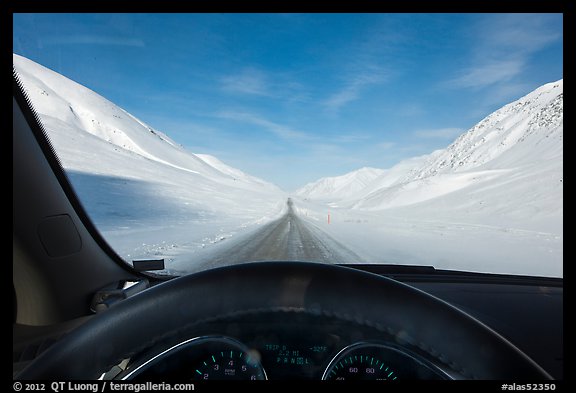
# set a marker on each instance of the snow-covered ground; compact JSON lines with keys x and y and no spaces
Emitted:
{"x":492,"y":201}
{"x":393,"y":237}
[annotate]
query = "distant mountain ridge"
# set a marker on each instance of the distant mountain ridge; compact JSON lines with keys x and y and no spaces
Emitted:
{"x":347,"y":184}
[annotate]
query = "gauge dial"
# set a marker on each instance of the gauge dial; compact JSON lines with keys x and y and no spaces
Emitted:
{"x":202,"y":358}
{"x":229,"y":364}
{"x":372,"y":361}
{"x":354,"y":367}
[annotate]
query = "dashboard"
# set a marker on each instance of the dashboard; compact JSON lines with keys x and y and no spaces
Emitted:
{"x":294,"y":321}
{"x":287,"y":346}
{"x":291,"y":345}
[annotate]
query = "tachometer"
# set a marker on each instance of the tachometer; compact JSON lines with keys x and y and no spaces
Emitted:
{"x":372,"y":361}
{"x":229,"y":364}
{"x":201,"y":358}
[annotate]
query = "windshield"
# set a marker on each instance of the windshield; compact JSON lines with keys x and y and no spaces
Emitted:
{"x":206,"y":140}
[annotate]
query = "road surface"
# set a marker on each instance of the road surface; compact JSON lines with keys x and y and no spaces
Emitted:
{"x":288,"y":238}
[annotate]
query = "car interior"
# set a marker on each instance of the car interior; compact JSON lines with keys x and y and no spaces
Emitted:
{"x":81,"y":312}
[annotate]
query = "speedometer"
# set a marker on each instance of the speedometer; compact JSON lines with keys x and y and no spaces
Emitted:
{"x":374,"y":361}
{"x":201,"y":358}
{"x":361,"y":366}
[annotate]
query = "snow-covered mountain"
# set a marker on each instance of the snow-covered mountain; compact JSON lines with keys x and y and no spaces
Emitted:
{"x":88,"y":116}
{"x":508,"y":165}
{"x":129,"y":175}
{"x":346,"y":190}
{"x":331,"y":188}
{"x":527,"y":130}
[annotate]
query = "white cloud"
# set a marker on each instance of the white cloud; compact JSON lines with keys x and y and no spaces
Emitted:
{"x":277,"y":129}
{"x":346,"y":95}
{"x":249,"y":81}
{"x":504,"y":46}
{"x":354,"y":85}
{"x":489,"y":73}
{"x":507,"y":92}
{"x":351,"y":138}
{"x":257,"y":82}
{"x":411,"y":110}
{"x":439,"y":133}
{"x":87,"y":39}
{"x":519,"y":33}
{"x":363,"y":67}
{"x":386,"y":145}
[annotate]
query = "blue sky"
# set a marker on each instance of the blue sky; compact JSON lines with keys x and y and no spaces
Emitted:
{"x":295,"y":97}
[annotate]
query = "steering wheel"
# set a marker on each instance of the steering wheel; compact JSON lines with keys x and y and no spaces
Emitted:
{"x":450,"y":337}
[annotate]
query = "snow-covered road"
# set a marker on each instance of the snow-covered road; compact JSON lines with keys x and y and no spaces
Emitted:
{"x":289,"y":238}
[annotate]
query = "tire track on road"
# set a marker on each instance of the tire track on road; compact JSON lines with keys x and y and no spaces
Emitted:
{"x":288,"y":238}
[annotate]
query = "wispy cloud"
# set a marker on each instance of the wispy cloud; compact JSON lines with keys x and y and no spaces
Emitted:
{"x":520,"y":33}
{"x":439,"y":133}
{"x":489,"y":73}
{"x":364,"y":67}
{"x":248,"y":81}
{"x":386,"y":145}
{"x":411,"y":110}
{"x":280,"y":130}
{"x":354,"y":86}
{"x":88,"y":39}
{"x":351,"y":138}
{"x":505,"y":91}
{"x":252,"y":81}
{"x":503,"y":48}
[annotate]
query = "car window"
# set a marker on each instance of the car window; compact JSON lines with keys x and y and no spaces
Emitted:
{"x":207,"y":140}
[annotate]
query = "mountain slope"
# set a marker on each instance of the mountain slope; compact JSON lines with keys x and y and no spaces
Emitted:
{"x":514,"y":155}
{"x":64,"y":103}
{"x":506,"y":169}
{"x":519,"y":133}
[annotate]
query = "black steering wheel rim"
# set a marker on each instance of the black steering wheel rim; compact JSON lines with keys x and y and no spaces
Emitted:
{"x":468,"y":348}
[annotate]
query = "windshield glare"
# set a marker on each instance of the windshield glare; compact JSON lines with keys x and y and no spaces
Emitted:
{"x":207,"y":140}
